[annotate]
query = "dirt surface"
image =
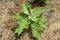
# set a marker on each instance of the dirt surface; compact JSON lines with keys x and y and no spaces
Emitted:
{"x":7,"y":25}
{"x":53,"y":32}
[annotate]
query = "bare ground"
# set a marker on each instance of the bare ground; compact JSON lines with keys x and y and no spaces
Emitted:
{"x":53,"y":32}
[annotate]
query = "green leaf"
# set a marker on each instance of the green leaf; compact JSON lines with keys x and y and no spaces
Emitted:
{"x":23,"y":24}
{"x":15,"y":16}
{"x":43,"y":19}
{"x":36,"y":12}
{"x":33,"y":18}
{"x":43,"y":25}
{"x":25,"y":8}
{"x":36,"y":31}
{"x":36,"y":34}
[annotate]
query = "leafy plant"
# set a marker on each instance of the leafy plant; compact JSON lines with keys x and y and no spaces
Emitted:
{"x":31,"y":18}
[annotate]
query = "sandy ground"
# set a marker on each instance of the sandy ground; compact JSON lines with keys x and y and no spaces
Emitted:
{"x":53,"y":32}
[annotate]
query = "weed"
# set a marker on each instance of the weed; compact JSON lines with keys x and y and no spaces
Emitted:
{"x":31,"y":18}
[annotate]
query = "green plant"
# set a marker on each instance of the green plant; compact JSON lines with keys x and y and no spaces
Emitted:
{"x":31,"y":18}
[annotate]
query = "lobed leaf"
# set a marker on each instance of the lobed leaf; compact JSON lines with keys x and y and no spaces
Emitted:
{"x":23,"y":24}
{"x":25,"y":8}
{"x":36,"y":12}
{"x":36,"y":31}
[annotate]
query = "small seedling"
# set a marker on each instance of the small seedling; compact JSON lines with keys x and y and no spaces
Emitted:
{"x":31,"y":18}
